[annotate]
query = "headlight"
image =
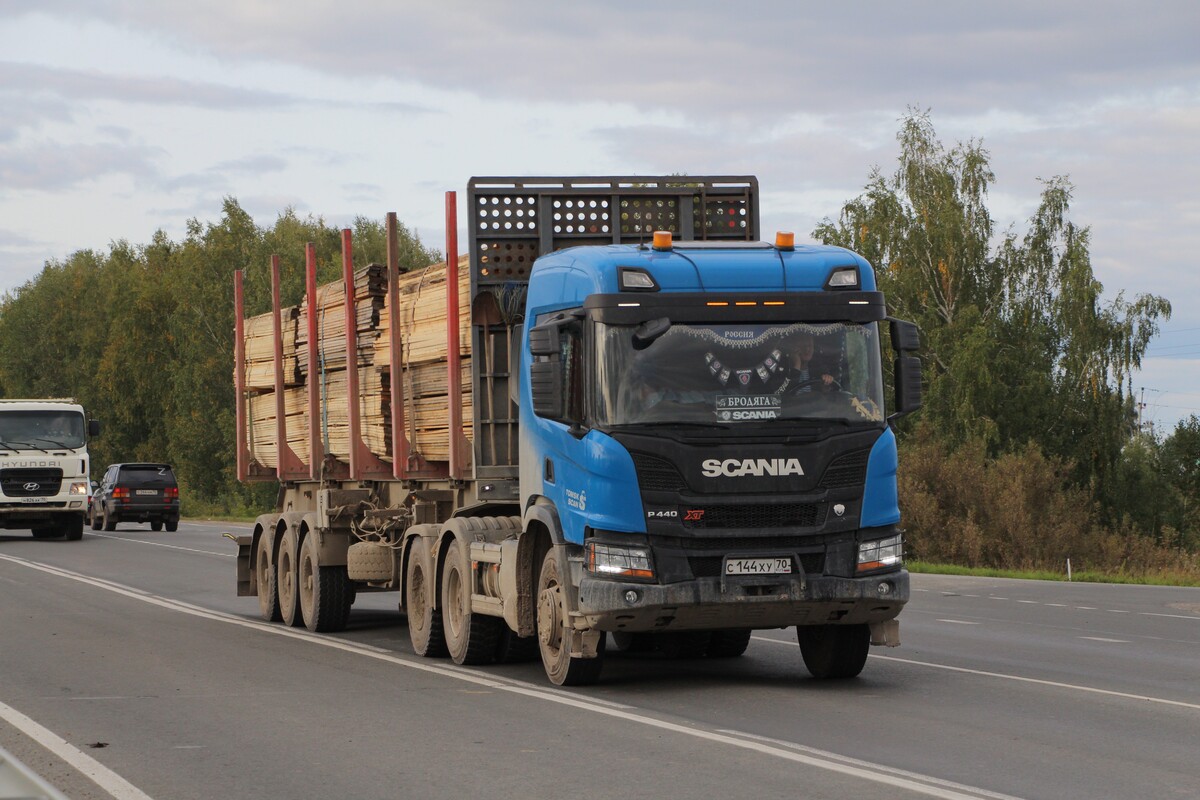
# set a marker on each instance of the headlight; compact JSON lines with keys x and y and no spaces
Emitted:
{"x":79,"y":488}
{"x":617,"y":561}
{"x":881,"y":554}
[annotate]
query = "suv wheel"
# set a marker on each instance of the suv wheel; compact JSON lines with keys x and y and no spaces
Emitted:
{"x":172,"y":525}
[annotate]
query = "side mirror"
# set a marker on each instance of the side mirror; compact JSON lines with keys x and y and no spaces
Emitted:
{"x":93,"y":427}
{"x":906,"y":338}
{"x":545,"y":387}
{"x":908,"y":384}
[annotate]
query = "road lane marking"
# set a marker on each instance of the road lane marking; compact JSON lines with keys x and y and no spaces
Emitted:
{"x":871,"y":765}
{"x":1019,"y":678}
{"x":1172,"y":616}
{"x":1031,"y":602}
{"x":1102,"y":639}
{"x":1085,"y":608}
{"x":958,"y":621}
{"x":96,"y":772}
{"x":1057,"y":605}
{"x":1118,"y":611}
{"x":926,"y":785}
{"x":993,"y":597}
{"x":163,"y":544}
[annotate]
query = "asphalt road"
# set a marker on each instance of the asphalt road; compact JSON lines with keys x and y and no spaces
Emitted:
{"x":129,"y":669}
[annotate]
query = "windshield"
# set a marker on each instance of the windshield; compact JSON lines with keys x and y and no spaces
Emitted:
{"x":41,"y":429}
{"x":740,"y":373}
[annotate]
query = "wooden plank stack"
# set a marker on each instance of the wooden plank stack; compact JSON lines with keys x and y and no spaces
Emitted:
{"x":421,"y":328}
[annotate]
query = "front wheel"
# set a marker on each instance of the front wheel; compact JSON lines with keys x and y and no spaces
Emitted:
{"x":71,"y":529}
{"x":834,"y":651}
{"x":553,"y":627}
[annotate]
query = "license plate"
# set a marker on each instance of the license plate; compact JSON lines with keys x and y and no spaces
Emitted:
{"x":758,"y":566}
{"x":146,"y":491}
{"x":34,"y":499}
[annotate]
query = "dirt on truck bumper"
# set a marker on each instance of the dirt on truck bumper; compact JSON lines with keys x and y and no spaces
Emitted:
{"x":731,"y":602}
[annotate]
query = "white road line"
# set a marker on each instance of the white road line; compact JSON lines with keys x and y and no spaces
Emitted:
{"x":1085,"y":608}
{"x":99,"y":774}
{"x":1056,"y":605}
{"x":1171,"y":616}
{"x":1020,"y":678}
{"x":993,"y":597}
{"x":958,"y":621}
{"x":162,"y":544}
{"x":1118,"y":611}
{"x":1030,"y":602}
{"x":925,"y":785}
{"x":1102,"y":639}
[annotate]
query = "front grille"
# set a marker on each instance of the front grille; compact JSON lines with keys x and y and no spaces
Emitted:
{"x":782,"y":515}
{"x":847,"y":471}
{"x":38,"y":482}
{"x":657,"y":475}
{"x":711,"y":566}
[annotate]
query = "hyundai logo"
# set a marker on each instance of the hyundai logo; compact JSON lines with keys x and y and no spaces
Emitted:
{"x":32,"y":487}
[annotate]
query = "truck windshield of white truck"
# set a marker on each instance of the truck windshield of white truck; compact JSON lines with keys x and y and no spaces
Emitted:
{"x":41,"y":430}
{"x":743,"y":373}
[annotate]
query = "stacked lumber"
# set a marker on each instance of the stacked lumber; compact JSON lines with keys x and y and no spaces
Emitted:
{"x":421,"y":328}
{"x":260,"y":349}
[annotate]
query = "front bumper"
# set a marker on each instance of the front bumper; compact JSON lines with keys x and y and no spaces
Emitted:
{"x":730,"y":602}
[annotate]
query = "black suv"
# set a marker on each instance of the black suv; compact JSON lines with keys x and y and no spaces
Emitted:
{"x":136,"y":493}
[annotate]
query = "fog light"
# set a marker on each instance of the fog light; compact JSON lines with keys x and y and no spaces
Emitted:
{"x":632,"y":596}
{"x":884,"y":589}
{"x":881,"y":554}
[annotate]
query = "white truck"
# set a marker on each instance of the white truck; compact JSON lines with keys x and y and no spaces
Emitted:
{"x":44,"y":468}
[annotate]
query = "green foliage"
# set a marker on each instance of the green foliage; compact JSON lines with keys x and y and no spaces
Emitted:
{"x":143,"y":338}
{"x":1020,"y":347}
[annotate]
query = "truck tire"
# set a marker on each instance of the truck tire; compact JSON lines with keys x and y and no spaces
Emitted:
{"x":424,"y":621}
{"x":641,"y":642}
{"x":514,"y":649}
{"x":562,"y":668}
{"x":729,"y":643}
{"x":326,"y":593}
{"x":71,"y":528}
{"x":834,"y":651}
{"x":43,"y":533}
{"x":470,"y":637}
{"x":371,"y":562}
{"x":286,"y":578}
{"x":268,"y":588}
{"x":110,"y":524}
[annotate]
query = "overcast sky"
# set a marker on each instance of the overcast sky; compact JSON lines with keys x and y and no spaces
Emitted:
{"x":122,"y":117}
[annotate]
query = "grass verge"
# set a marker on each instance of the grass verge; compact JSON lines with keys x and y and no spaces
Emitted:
{"x":1153,"y":579}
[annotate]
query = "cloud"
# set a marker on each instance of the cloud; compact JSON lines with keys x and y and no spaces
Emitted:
{"x":51,"y":166}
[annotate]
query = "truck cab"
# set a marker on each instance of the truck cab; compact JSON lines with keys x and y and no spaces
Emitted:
{"x":44,"y":479}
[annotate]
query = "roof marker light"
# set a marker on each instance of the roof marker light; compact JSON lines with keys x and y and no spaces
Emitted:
{"x":773,"y":303}
{"x":745,"y":303}
{"x":785,"y":240}
{"x":716,"y":303}
{"x":662,"y":240}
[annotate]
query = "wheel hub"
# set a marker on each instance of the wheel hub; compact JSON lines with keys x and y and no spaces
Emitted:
{"x":549,"y":621}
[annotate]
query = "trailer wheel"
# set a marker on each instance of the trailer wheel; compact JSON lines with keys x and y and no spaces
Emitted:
{"x":834,"y":651}
{"x":268,"y":587}
{"x":470,"y":637}
{"x":729,"y":643}
{"x":286,"y":579}
{"x":562,"y":668}
{"x":424,"y":621}
{"x":325,"y":591}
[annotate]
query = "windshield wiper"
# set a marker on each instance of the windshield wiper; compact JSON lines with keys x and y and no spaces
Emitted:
{"x":676,"y":424}
{"x":54,"y":442}
{"x":19,"y":445}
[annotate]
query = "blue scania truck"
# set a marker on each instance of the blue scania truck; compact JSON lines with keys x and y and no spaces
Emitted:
{"x":678,"y":436}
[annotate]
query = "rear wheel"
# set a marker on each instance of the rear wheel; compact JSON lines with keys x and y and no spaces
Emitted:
{"x":424,"y":621}
{"x":729,"y":643}
{"x":286,"y":579}
{"x":470,"y":637}
{"x":156,"y":525}
{"x":834,"y":651}
{"x":562,"y":668}
{"x":172,"y":525}
{"x":264,"y":570}
{"x":325,"y":591}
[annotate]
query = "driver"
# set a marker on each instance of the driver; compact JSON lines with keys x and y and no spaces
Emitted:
{"x":799,"y":374}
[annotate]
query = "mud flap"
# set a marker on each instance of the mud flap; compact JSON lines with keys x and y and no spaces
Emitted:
{"x":244,"y":544}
